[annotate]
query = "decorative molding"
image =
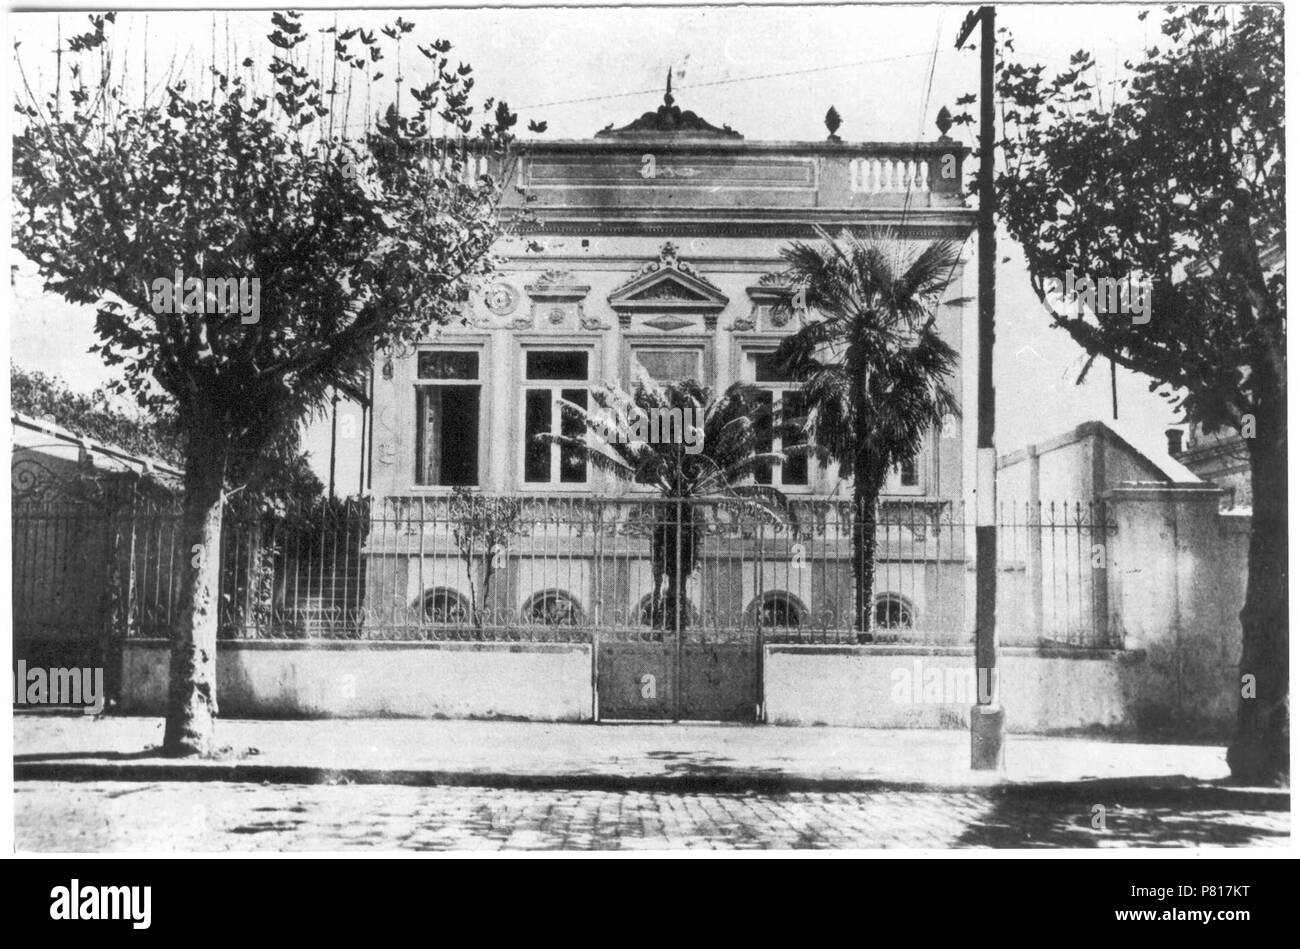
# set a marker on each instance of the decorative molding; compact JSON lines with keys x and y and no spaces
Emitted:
{"x":501,"y":298}
{"x":556,"y":286}
{"x":669,"y":119}
{"x":589,"y":226}
{"x":760,"y":293}
{"x":669,"y":323}
{"x":555,"y":296}
{"x":666,"y":284}
{"x":764,"y":311}
{"x":669,"y":260}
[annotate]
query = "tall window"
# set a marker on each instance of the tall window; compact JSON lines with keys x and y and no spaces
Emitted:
{"x":447,"y":404}
{"x":779,"y":427}
{"x":905,"y":477}
{"x":552,"y":376}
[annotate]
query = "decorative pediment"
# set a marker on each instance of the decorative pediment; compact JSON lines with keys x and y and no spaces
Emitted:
{"x":669,"y":120}
{"x":765,"y":313}
{"x":667,"y":284}
{"x":556,"y":285}
{"x":557,"y":299}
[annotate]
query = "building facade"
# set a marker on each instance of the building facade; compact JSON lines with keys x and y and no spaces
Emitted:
{"x":647,"y":255}
{"x":1219,"y":457}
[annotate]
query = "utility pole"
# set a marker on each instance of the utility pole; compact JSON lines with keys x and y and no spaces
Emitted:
{"x":334,"y":438}
{"x":987,"y":719}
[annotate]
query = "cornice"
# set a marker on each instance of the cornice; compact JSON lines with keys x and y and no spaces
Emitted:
{"x":926,"y":223}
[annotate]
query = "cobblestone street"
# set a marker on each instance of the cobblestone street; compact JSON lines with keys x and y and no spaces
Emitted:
{"x":219,"y":816}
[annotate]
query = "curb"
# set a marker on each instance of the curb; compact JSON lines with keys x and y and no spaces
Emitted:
{"x":1162,"y":789}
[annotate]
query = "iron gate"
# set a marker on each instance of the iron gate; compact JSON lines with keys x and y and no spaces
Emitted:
{"x":680,"y":656}
{"x":682,"y":677}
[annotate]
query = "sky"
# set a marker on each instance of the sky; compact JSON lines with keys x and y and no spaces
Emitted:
{"x":768,"y":72}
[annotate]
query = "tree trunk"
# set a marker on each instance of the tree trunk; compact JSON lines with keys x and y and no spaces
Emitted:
{"x":476,"y":615}
{"x":1260,"y":750}
{"x":866,"y":490}
{"x":868,"y":480}
{"x":489,"y":569}
{"x":192,"y":690}
{"x":674,"y":546}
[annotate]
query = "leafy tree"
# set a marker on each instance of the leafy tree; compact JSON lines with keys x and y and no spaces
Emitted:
{"x":719,"y":464}
{"x":484,"y":527}
{"x":874,"y":369}
{"x":1178,"y":183}
{"x":359,"y":241}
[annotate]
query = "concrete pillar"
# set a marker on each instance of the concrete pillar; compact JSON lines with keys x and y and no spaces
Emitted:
{"x":1034,"y":550}
{"x":1181,"y":587}
{"x":498,"y":477}
{"x":1100,"y":559}
{"x":608,"y":350}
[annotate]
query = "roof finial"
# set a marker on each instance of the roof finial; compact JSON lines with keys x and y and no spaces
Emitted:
{"x":668,"y":93}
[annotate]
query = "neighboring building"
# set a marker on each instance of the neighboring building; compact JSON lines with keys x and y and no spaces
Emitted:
{"x":49,"y":460}
{"x":1058,"y":575}
{"x":64,"y":489}
{"x":1166,"y":571}
{"x":1083,"y":464}
{"x":655,"y":238}
{"x":1219,"y":457}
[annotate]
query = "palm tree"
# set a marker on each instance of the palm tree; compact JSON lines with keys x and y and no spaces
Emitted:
{"x":716,"y":461}
{"x":874,"y":370}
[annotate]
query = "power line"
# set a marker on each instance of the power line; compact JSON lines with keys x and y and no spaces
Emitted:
{"x":925,"y":108}
{"x":724,"y":82}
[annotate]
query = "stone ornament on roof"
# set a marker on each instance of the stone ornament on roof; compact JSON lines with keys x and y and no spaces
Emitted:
{"x":670,"y":119}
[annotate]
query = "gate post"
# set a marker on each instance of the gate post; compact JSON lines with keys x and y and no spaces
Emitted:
{"x":118,"y":613}
{"x":677,"y":615}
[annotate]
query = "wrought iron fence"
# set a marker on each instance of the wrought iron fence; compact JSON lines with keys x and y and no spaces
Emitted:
{"x":481,"y":567}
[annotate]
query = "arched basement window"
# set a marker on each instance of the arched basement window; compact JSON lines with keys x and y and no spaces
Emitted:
{"x":442,"y":605}
{"x":644,"y":614}
{"x":893,"y":612}
{"x":552,"y":608}
{"x":779,"y":610}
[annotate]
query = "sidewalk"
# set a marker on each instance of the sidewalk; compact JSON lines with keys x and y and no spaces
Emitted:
{"x":694,"y":757}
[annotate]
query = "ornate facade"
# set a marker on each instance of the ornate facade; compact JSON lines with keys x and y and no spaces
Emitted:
{"x":648,"y":250}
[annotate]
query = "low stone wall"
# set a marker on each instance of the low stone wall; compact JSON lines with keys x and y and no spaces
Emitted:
{"x":313,"y":678}
{"x":1043,"y":690}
